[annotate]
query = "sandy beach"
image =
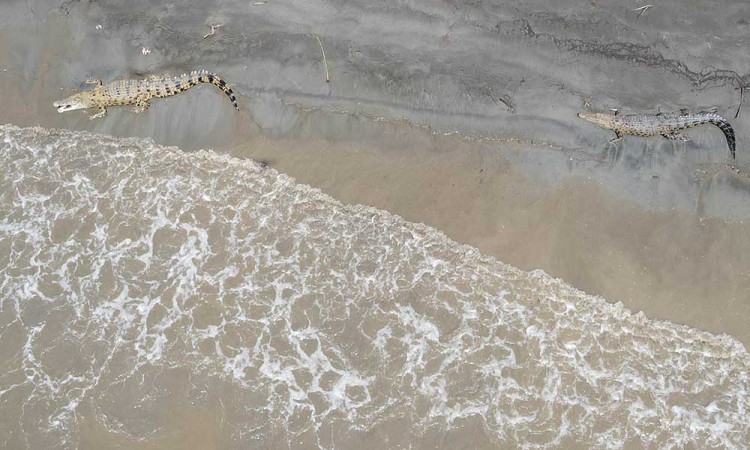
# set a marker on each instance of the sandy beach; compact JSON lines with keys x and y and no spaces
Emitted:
{"x":416,"y":120}
{"x":458,"y":116}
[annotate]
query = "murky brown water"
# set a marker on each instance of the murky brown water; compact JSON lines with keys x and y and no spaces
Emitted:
{"x":155,"y":298}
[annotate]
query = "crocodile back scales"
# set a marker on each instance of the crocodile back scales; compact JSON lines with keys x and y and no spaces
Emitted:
{"x":652,"y":125}
{"x":128,"y":92}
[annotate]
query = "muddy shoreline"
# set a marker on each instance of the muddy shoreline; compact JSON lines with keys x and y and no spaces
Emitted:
{"x":458,"y":116}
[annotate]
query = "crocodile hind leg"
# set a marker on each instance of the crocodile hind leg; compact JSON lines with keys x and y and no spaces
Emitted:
{"x":675,"y":136}
{"x":102,"y":112}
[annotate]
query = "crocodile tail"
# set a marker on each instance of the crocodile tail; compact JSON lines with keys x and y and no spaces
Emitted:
{"x":728,"y":132}
{"x":203,"y":76}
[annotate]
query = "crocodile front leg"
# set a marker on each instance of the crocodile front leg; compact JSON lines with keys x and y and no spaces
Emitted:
{"x":102,"y":112}
{"x":617,"y":137}
{"x":141,"y":106}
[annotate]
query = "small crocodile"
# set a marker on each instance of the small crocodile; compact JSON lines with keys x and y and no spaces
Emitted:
{"x":666,"y":125}
{"x":138,"y":92}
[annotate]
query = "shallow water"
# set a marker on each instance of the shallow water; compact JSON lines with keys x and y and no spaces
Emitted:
{"x":458,"y":115}
{"x":154,"y":297}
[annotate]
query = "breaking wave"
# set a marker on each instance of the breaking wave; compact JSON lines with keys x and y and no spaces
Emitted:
{"x":138,"y":280}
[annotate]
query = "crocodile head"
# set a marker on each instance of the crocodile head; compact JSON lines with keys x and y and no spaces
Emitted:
{"x":72,"y":103}
{"x":601,"y":119}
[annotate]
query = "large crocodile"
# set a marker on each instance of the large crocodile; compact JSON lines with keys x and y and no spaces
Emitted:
{"x":666,"y":125}
{"x":138,"y":92}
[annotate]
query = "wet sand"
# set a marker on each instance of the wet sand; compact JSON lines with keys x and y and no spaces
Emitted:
{"x":461,"y":117}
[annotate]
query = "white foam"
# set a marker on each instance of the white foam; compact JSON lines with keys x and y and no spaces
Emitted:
{"x":310,"y":318}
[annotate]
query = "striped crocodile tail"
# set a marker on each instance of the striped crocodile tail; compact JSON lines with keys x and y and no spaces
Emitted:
{"x":202,"y":76}
{"x":728,"y":132}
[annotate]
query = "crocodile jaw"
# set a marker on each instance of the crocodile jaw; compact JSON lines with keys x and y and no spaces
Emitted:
{"x":603,"y":120}
{"x":69,"y":104}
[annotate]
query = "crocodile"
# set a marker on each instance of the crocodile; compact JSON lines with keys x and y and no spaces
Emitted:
{"x":664,"y":124}
{"x":138,"y":92}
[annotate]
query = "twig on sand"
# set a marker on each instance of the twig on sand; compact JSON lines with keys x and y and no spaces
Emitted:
{"x":642,"y":9}
{"x":325,"y":63}
{"x":739,"y":105}
{"x":213,"y":30}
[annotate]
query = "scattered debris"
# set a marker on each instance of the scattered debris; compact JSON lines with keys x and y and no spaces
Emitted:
{"x":642,"y":9}
{"x":448,"y":37}
{"x":98,"y":27}
{"x":213,"y":30}
{"x":145,"y":50}
{"x":325,"y":63}
{"x":505,"y":100}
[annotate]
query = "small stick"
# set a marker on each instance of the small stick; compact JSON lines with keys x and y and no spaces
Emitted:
{"x":213,"y":31}
{"x":737,"y":114}
{"x":325,"y":63}
{"x":642,"y":9}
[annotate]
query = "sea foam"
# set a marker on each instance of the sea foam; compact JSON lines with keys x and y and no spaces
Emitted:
{"x":138,"y":280}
